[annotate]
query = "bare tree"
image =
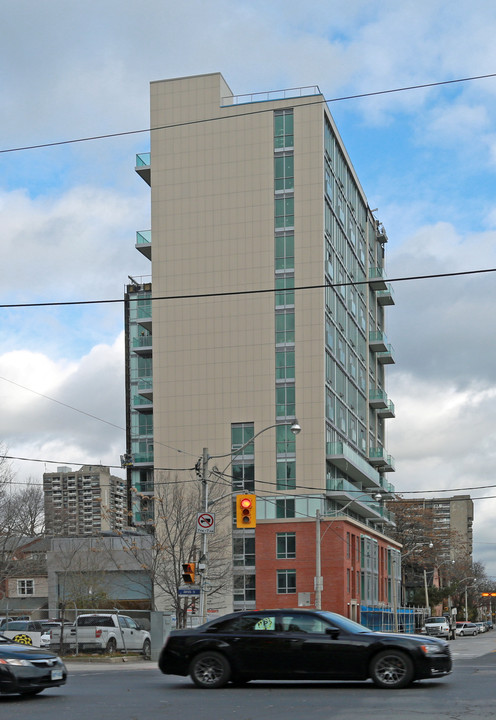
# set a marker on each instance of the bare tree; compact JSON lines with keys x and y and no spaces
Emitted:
{"x":176,"y":540}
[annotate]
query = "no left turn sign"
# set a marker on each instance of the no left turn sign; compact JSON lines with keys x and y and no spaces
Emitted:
{"x":205,"y":522}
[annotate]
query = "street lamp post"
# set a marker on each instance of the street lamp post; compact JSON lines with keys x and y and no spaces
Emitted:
{"x":203,"y":564}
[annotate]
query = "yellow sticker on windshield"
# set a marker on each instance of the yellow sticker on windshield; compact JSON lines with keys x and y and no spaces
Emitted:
{"x":267,"y":623}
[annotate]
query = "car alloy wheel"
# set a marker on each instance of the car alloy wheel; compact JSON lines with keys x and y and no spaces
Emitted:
{"x":111,"y":646}
{"x":210,"y":670}
{"x":391,"y":669}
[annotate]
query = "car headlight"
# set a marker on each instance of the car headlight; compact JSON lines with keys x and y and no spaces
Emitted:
{"x":14,"y":661}
{"x":432,"y":649}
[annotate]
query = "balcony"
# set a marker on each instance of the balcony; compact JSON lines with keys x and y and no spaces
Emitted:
{"x":385,"y":297}
{"x":143,"y":167}
{"x":356,"y":500}
{"x":387,"y":412}
{"x":142,"y":344}
{"x":145,"y":388}
{"x":378,"y":399}
{"x":377,"y":341}
{"x":144,"y":243}
{"x":376,"y":278}
{"x":353,"y":464}
{"x":379,"y":458}
{"x":145,"y":458}
{"x":386,"y":358}
{"x":142,"y":403}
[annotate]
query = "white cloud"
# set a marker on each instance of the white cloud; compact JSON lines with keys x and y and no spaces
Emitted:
{"x":64,"y":411}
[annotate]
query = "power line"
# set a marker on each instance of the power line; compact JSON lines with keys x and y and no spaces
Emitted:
{"x":231,"y":293}
{"x":254,"y":112}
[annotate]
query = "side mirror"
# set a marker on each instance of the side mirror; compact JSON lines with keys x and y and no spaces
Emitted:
{"x":333,"y":632}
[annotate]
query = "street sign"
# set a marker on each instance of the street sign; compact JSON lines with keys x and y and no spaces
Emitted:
{"x":205,"y":522}
{"x":188,"y":590}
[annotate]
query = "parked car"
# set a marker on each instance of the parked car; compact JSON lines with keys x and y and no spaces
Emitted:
{"x":28,"y":632}
{"x":489,"y":624}
{"x":27,"y":670}
{"x":110,"y":633}
{"x":437,"y":626}
{"x":466,"y":628}
{"x":482,"y":627}
{"x":300,"y":645}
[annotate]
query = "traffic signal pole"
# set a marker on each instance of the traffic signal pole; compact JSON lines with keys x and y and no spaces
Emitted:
{"x":204,"y":558}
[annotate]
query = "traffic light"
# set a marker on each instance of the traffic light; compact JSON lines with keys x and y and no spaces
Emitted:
{"x":189,"y":573}
{"x":246,"y":511}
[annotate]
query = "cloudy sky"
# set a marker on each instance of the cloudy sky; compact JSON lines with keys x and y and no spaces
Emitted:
{"x":68,"y":213}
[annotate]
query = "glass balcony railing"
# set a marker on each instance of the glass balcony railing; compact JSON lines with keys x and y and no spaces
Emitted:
{"x":376,"y":278}
{"x":143,"y":161}
{"x":386,"y":297}
{"x":353,"y":464}
{"x":378,"y":398}
{"x":143,"y":341}
{"x":377,"y":341}
{"x":143,"y":458}
{"x":386,"y":357}
{"x":143,"y":237}
{"x":380,"y":458}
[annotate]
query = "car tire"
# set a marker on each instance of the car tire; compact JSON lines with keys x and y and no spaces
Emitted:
{"x":391,"y":669}
{"x":147,"y":649}
{"x":111,"y":646}
{"x":210,"y":669}
{"x":462,"y":633}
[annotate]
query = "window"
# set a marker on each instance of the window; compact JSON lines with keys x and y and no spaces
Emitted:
{"x":286,"y":474}
{"x":285,"y":365}
{"x":244,"y":551}
{"x":285,"y":401}
{"x":284,"y":172}
{"x":284,"y":212}
{"x":284,"y":245}
{"x":285,"y":507}
{"x":243,"y":474}
{"x":283,"y":129}
{"x":285,"y":440}
{"x":284,"y":291}
{"x":244,"y":588}
{"x":25,"y":587}
{"x":286,"y":545}
{"x":285,"y":327}
{"x":286,"y":582}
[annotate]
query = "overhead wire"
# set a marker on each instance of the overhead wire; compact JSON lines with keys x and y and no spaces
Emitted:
{"x":231,"y":293}
{"x":170,"y":126}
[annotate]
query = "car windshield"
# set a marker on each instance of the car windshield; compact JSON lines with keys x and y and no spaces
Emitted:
{"x":436,"y":620}
{"x":344,"y":623}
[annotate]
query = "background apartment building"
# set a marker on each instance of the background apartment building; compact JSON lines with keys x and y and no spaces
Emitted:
{"x":87,"y":501}
{"x":268,"y":305}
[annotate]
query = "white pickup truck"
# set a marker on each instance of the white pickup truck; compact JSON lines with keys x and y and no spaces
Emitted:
{"x":110,"y":633}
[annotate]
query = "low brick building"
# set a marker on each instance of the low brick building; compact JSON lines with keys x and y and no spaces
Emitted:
{"x":360,"y":567}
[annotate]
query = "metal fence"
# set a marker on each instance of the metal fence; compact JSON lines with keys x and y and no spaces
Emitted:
{"x":408,"y":619}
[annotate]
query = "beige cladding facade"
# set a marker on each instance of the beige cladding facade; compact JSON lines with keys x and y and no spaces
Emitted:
{"x":213,"y":201}
{"x":216,"y":318}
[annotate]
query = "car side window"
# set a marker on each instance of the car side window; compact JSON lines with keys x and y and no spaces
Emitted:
{"x":247,"y":623}
{"x":304,"y":624}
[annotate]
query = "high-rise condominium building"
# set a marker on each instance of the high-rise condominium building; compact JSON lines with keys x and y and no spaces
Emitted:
{"x":267,"y":304}
{"x":87,"y":501}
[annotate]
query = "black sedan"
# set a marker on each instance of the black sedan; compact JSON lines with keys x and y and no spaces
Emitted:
{"x":300,"y":645}
{"x":28,"y":670}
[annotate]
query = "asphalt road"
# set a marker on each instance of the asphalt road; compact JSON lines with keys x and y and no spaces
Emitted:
{"x":138,"y":691}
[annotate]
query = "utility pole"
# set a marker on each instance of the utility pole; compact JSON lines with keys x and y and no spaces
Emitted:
{"x":318,"y":566}
{"x":204,"y":557}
